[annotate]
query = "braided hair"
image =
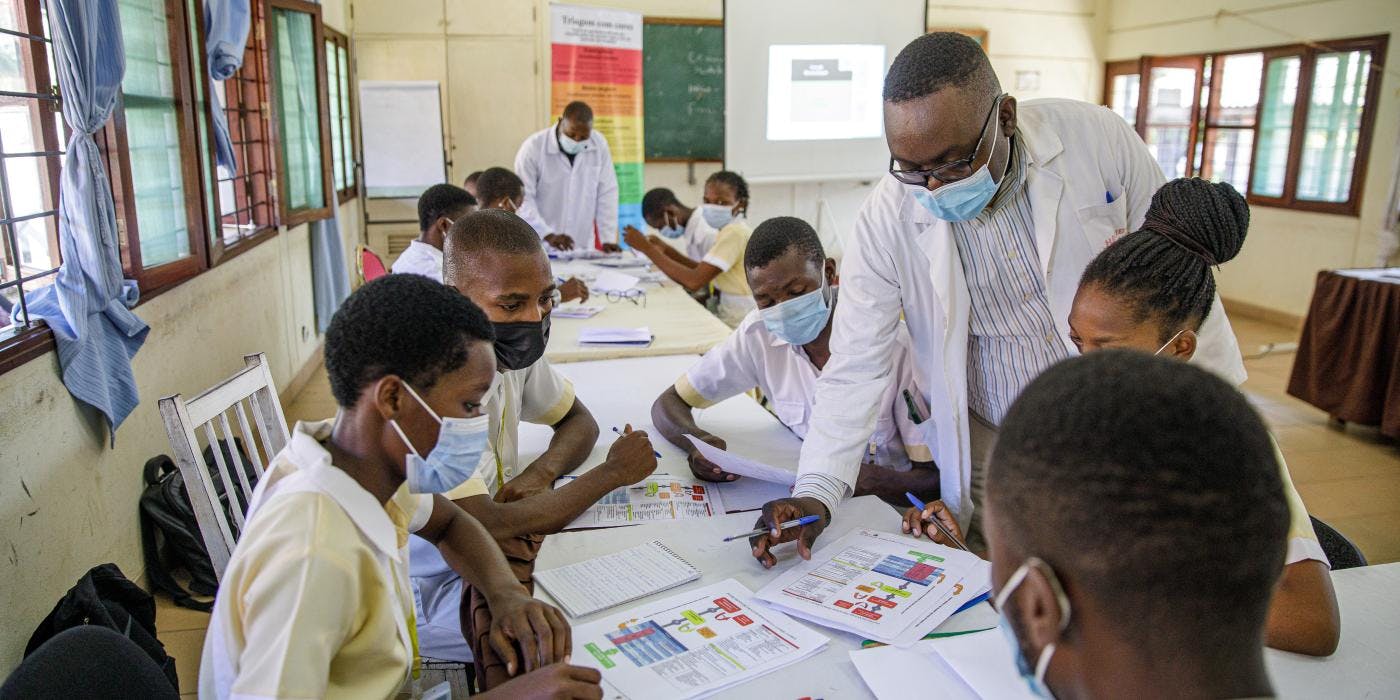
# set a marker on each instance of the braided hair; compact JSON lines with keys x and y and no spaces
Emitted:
{"x":1163,"y":270}
{"x":735,"y":180}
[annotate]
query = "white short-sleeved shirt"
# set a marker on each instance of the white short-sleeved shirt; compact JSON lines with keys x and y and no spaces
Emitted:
{"x":1302,"y":539}
{"x":419,"y":259}
{"x":699,"y":236}
{"x":753,"y":357}
{"x":315,"y":601}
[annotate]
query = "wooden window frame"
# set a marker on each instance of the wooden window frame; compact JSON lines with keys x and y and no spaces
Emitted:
{"x":254,"y":59}
{"x":1307,"y":54}
{"x":1113,"y":69}
{"x":341,"y":41}
{"x":294,"y":217}
{"x":35,"y":339}
{"x":114,"y":144}
{"x":1210,"y":112}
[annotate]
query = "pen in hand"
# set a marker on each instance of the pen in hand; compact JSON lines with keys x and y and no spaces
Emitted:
{"x":804,"y":520}
{"x":921,"y":506}
{"x":619,"y":432}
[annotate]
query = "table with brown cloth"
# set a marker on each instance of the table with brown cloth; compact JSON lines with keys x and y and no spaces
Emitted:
{"x":1348,"y":361}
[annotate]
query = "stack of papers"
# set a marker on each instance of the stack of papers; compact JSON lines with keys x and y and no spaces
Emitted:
{"x":966,"y":667}
{"x":691,"y":644}
{"x":639,"y":337}
{"x":621,"y":577}
{"x":883,"y":586}
{"x":660,"y":497}
{"x":572,"y":310}
{"x":623,"y":262}
{"x":734,"y":464}
{"x":613,"y":281}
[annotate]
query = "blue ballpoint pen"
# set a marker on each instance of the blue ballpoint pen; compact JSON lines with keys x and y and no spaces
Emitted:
{"x":921,"y":506}
{"x":804,"y":520}
{"x":619,"y":432}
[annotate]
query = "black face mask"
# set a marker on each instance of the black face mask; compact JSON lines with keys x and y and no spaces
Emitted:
{"x":520,"y":344}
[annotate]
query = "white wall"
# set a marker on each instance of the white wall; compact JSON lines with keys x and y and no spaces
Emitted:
{"x":1285,"y":248}
{"x":68,"y":501}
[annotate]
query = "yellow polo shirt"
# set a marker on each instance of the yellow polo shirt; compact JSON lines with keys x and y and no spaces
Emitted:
{"x":315,"y":602}
{"x":1302,"y":540}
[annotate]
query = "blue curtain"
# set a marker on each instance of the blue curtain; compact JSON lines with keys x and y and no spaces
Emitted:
{"x":330,"y":276}
{"x":226,"y":24}
{"x":87,"y":306}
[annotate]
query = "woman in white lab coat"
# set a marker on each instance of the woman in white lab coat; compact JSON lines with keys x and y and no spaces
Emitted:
{"x":570,"y":184}
{"x":1088,"y":180}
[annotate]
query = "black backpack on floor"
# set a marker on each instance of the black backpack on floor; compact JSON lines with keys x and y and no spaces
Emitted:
{"x":170,"y":535}
{"x":105,"y":597}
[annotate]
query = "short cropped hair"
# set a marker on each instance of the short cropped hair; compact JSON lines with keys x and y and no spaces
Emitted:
{"x":494,"y":230}
{"x":439,"y":201}
{"x":496,"y":183}
{"x":1154,"y":486}
{"x":776,"y":236}
{"x":655,"y":200}
{"x":938,"y":60}
{"x":579,"y":112}
{"x":404,"y":325}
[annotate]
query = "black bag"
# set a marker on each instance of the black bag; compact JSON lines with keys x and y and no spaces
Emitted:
{"x":170,"y":535}
{"x":105,"y":597}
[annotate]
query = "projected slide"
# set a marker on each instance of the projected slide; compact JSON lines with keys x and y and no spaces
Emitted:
{"x":824,"y":92}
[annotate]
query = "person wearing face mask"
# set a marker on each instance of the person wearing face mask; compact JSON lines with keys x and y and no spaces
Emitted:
{"x":438,"y":207}
{"x":315,"y":600}
{"x":1138,"y":528}
{"x":502,"y":189}
{"x":679,"y":223}
{"x":570,"y":184}
{"x":1152,"y":292}
{"x":977,"y":237}
{"x":722,"y":266}
{"x":494,"y":259}
{"x":781,"y":348}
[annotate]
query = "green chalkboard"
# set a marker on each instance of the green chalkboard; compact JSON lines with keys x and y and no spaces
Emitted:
{"x":683,"y":89}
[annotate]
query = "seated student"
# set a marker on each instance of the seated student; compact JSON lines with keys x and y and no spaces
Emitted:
{"x":1150,"y":292}
{"x":495,"y":259}
{"x":663,"y":212}
{"x":438,"y":207}
{"x":726,"y":200}
{"x":781,"y":348}
{"x":314,"y":601}
{"x":469,"y":184}
{"x":1137,"y":527}
{"x":502,"y":189}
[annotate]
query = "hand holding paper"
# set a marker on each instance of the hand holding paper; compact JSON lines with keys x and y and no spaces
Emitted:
{"x":735,"y":464}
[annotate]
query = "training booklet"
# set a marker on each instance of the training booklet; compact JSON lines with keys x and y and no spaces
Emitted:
{"x":589,"y":586}
{"x":658,"y":498}
{"x":692,"y":644}
{"x":887,"y":587}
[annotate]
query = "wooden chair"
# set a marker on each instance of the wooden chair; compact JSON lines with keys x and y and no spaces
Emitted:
{"x":369,"y":264}
{"x":249,"y":391}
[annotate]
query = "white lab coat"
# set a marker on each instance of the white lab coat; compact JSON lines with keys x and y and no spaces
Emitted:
{"x":903,"y":259}
{"x":568,"y":198}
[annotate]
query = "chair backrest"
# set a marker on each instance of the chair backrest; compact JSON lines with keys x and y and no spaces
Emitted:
{"x":248,"y":392}
{"x":1341,"y":552}
{"x":369,"y":265}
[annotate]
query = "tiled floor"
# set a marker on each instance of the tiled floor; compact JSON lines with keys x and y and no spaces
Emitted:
{"x":1349,"y":477}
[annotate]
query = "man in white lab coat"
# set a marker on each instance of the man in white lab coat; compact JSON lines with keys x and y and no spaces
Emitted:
{"x":978,"y":236}
{"x":570,"y":184}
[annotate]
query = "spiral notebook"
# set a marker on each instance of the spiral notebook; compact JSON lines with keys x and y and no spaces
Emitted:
{"x":589,"y":586}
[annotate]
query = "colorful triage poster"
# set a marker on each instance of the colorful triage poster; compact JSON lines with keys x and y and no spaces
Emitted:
{"x":692,"y":644}
{"x":886,"y":587}
{"x":660,"y":497}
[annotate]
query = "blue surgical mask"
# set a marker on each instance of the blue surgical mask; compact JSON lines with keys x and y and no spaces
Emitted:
{"x":962,"y":200}
{"x":672,"y":230}
{"x":454,"y":458}
{"x":571,"y":146}
{"x":1034,"y":677}
{"x":800,"y":320}
{"x":717,"y":215}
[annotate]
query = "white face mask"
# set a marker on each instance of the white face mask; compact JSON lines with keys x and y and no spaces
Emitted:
{"x":571,"y":146}
{"x":717,"y":215}
{"x":1034,"y":677}
{"x":1169,"y":342}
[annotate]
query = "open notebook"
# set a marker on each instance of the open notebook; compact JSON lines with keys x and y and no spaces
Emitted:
{"x":586,"y":587}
